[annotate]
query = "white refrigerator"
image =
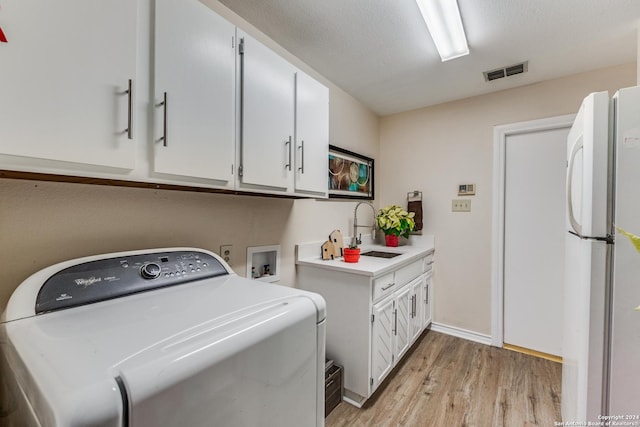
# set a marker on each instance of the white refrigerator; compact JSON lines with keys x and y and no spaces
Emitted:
{"x":601,"y":340}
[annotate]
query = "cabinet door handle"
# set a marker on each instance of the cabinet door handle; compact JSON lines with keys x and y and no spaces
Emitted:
{"x":384,"y":288}
{"x":395,"y":322}
{"x":164,"y":119}
{"x":301,"y":168}
{"x":426,"y":301}
{"x":413,"y":306}
{"x":129,"y":93}
{"x":288,"y":144}
{"x":330,"y":383}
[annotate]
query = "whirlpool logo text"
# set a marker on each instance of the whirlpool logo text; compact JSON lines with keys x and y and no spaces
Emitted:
{"x":88,"y":282}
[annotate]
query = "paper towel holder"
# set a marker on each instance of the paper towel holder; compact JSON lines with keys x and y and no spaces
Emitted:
{"x":414,"y":196}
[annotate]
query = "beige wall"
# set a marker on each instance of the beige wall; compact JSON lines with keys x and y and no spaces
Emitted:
{"x":42,"y":223}
{"x":434,"y":149}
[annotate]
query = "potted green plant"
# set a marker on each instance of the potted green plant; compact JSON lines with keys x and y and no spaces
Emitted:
{"x":352,"y":253}
{"x":394,"y":222}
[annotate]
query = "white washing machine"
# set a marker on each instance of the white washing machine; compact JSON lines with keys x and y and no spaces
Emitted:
{"x":165,"y":337}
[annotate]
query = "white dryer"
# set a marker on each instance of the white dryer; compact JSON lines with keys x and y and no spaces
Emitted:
{"x":165,"y":337}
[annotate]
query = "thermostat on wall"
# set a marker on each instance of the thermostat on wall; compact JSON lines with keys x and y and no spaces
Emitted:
{"x":466,"y":189}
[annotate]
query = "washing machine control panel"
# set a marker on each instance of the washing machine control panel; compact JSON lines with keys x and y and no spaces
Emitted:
{"x":110,"y":278}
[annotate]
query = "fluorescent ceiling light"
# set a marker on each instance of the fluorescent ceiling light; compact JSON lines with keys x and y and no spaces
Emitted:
{"x":445,"y":25}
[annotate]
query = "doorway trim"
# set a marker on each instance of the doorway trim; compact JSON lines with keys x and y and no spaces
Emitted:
{"x":500,"y":135}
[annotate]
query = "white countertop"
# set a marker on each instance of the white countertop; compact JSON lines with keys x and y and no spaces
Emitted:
{"x":309,"y":254}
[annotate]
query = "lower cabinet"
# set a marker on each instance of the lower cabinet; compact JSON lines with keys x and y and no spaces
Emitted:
{"x":372,"y":321}
{"x":397,"y":322}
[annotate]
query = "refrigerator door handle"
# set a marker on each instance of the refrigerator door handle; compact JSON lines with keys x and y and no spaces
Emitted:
{"x":574,"y":223}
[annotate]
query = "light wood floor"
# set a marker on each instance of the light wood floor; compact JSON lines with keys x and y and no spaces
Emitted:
{"x":448,"y":381}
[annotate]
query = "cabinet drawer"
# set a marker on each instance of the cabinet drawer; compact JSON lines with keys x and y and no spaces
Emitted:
{"x":409,"y":272}
{"x":383,"y":285}
{"x":428,"y":263}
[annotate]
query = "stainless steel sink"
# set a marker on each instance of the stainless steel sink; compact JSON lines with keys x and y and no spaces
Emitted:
{"x":381,"y":254}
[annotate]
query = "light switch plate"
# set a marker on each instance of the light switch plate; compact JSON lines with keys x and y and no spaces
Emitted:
{"x":461,"y":205}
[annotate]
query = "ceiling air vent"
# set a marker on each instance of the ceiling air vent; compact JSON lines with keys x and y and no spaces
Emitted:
{"x":506,"y":71}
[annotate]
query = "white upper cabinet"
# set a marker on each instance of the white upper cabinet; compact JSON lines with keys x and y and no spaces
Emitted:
{"x":194,"y":92}
{"x":226,"y":112}
{"x":267,"y":88}
{"x":64,"y":81}
{"x":312,"y":135}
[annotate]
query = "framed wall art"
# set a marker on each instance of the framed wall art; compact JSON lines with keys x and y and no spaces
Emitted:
{"x":350,"y":174}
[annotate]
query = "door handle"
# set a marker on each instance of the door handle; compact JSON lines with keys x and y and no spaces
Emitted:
{"x":288,"y":144}
{"x":384,"y":288}
{"x":301,"y":168}
{"x":129,"y":93}
{"x":577,"y":227}
{"x":164,"y":121}
{"x":395,"y":322}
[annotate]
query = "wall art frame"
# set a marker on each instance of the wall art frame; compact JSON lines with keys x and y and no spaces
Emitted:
{"x":350,"y":175}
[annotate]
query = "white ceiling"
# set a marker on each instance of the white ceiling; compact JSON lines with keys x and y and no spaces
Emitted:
{"x":380,"y":51}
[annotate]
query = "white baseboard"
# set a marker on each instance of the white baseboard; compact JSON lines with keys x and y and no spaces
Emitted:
{"x":461,"y":333}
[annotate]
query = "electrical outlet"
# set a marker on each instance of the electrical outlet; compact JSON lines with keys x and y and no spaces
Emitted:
{"x":461,"y":205}
{"x":226,"y":252}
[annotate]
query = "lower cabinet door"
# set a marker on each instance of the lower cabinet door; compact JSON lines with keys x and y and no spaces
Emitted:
{"x":382,"y":341}
{"x":427,"y":285}
{"x":417,"y":308}
{"x":403,"y":322}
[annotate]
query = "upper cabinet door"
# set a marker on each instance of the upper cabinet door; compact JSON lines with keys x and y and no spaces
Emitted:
{"x":64,"y":81}
{"x":194,"y":91}
{"x":312,"y":135}
{"x":267,"y":117}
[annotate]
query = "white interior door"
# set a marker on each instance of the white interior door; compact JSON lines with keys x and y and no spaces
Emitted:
{"x":534,"y":239}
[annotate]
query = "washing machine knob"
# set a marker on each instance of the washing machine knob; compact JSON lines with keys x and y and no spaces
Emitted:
{"x":150,"y":270}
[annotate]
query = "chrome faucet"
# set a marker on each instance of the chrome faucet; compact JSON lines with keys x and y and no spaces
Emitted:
{"x":355,"y":239}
